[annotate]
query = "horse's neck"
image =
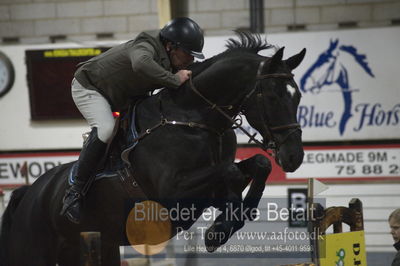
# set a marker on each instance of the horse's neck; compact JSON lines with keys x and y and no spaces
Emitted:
{"x":223,"y":82}
{"x":199,"y":67}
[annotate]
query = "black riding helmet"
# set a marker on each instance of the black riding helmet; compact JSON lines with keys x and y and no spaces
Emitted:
{"x":185,"y":34}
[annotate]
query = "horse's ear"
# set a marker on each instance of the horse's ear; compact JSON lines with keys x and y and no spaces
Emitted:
{"x":277,"y":57}
{"x":295,"y":60}
{"x":275,"y":61}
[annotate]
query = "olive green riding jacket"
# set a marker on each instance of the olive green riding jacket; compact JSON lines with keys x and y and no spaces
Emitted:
{"x":129,"y":70}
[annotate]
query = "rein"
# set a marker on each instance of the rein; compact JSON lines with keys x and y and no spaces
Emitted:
{"x":222,"y":112}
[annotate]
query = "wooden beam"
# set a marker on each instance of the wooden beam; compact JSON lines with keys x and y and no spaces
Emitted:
{"x":90,"y":249}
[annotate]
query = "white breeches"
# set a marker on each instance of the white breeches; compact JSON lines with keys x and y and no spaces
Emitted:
{"x":95,"y":109}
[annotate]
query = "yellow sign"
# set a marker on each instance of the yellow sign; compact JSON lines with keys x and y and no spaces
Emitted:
{"x":72,"y":52}
{"x":343,"y":249}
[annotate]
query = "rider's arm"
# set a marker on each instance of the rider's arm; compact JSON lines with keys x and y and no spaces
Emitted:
{"x":143,"y":63}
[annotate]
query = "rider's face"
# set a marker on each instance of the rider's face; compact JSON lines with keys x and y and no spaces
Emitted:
{"x":179,"y":58}
{"x":394,"y":229}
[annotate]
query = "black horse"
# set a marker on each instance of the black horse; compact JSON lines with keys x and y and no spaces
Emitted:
{"x":186,"y":152}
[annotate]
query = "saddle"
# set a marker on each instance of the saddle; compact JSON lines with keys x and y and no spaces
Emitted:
{"x":123,"y":141}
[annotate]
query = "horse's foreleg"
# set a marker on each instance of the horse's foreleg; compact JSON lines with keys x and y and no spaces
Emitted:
{"x":257,"y":169}
{"x":231,"y":219}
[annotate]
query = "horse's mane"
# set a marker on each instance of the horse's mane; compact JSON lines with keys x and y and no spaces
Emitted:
{"x":247,"y":42}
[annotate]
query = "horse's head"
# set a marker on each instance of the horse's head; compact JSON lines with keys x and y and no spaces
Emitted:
{"x":272,"y":107}
{"x":262,"y":88}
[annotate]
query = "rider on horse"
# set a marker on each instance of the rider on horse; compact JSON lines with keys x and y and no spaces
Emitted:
{"x":109,"y":82}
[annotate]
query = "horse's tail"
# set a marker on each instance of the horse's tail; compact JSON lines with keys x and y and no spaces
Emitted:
{"x":6,"y":222}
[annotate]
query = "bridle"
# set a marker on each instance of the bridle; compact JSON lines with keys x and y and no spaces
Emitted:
{"x":269,"y":130}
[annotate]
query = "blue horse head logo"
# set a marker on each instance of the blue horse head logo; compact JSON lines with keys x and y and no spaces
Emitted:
{"x":329,"y":70}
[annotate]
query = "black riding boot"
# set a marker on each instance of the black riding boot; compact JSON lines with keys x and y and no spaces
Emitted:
{"x":92,"y":152}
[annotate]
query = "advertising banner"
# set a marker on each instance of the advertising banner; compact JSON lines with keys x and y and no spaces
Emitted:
{"x":22,"y":168}
{"x":350,"y":162}
{"x":353,"y":163}
{"x":331,"y":163}
{"x":348,"y":81}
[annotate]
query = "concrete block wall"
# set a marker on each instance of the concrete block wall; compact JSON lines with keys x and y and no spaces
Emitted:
{"x":35,"y":21}
{"x":39,"y":21}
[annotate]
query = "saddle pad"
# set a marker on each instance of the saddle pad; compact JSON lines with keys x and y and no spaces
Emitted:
{"x":101,"y":175}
